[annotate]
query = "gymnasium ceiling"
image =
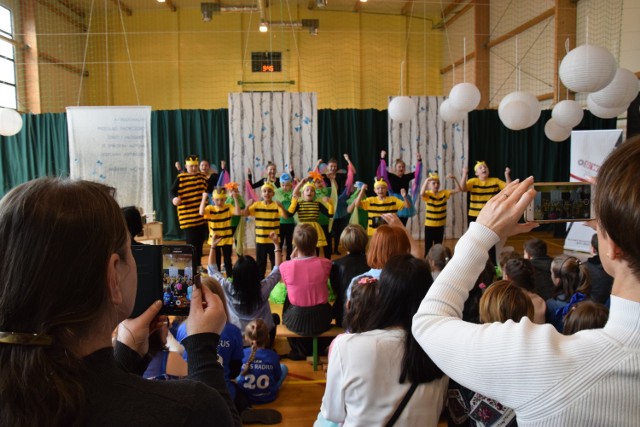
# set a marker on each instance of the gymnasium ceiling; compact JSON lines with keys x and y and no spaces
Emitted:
{"x":430,"y":9}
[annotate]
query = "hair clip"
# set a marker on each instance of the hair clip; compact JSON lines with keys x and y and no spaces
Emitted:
{"x":21,"y":338}
{"x":367,"y":280}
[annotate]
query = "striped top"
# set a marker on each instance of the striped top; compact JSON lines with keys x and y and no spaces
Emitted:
{"x":267,"y":220}
{"x":376,"y":206}
{"x":436,"y":208}
{"x":189,"y":187}
{"x":220,"y":223}
{"x":481,"y":191}
{"x":309,"y":211}
{"x":591,"y":378}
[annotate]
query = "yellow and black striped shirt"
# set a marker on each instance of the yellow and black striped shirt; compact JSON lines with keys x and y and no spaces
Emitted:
{"x":436,"y":208}
{"x":267,"y":220}
{"x":376,"y":207}
{"x":481,"y":191}
{"x":189,"y":187}
{"x":220,"y":223}
{"x":309,"y":211}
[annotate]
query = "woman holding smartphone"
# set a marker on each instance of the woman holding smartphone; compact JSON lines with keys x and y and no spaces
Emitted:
{"x":549,"y":379}
{"x":69,"y":280}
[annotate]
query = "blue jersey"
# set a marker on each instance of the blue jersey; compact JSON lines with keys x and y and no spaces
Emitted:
{"x":229,"y":348}
{"x":260,"y":383}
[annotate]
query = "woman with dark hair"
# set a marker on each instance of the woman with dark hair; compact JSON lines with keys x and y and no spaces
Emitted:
{"x":134,"y":222}
{"x":58,"y":310}
{"x":521,"y":273}
{"x":371,"y":372}
{"x":549,"y":379}
{"x":248,"y":293}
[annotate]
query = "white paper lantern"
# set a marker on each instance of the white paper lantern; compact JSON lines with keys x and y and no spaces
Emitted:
{"x":602,"y":112}
{"x":533,"y":112}
{"x":450,"y":114}
{"x":621,"y":91}
{"x":514,"y":114}
{"x":402,"y":109}
{"x":567,"y":114}
{"x":464,"y":97}
{"x":10,"y":122}
{"x":587,"y":68}
{"x":555,"y":131}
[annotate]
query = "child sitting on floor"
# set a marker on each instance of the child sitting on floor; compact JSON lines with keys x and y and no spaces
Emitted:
{"x":262,"y":373}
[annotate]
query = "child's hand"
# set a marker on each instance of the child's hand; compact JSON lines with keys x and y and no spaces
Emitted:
{"x":403,"y":192}
{"x":274,"y":238}
{"x":346,"y":157}
{"x":215,"y":240}
{"x":223,"y":164}
{"x":383,"y":154}
{"x":178,"y":166}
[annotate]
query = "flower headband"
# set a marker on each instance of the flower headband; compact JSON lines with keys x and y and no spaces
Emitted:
{"x":317,"y":176}
{"x":231,"y":186}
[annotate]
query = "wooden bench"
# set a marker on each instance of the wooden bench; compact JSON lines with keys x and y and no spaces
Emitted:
{"x":283,"y":331}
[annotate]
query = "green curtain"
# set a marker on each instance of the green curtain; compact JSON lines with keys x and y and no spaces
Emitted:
{"x":359,"y":133}
{"x":40,"y":149}
{"x":527,"y":152}
{"x":175,"y":134}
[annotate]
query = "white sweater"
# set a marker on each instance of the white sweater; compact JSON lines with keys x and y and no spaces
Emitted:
{"x":591,"y":378}
{"x":362,"y":383}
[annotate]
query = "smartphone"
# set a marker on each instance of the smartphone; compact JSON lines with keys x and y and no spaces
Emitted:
{"x":165,"y":272}
{"x":377,"y":221}
{"x":561,"y":202}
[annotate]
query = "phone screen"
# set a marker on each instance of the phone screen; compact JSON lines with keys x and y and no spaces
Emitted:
{"x":164,"y":273}
{"x":177,"y":279}
{"x":561,"y":202}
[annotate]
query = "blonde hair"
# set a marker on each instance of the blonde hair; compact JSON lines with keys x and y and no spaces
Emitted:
{"x":503,"y":301}
{"x":354,"y":238}
{"x":257,"y":333}
{"x":305,"y":238}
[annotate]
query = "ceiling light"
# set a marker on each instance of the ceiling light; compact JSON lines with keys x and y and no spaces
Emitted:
{"x":160,"y":1}
{"x":264,"y":27}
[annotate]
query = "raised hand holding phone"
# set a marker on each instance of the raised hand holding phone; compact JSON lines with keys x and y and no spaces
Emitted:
{"x":206,"y":314}
{"x":134,"y":333}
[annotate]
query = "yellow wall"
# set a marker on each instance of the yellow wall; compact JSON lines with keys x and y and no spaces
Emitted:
{"x":174,"y":60}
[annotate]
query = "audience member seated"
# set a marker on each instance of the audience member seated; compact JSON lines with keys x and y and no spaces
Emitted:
{"x":547,"y":378}
{"x":438,"y":256}
{"x":58,"y":365}
{"x":388,"y":240}
{"x":230,"y":345}
{"x":306,"y":309}
{"x":248,"y":293}
{"x":520,"y":272}
{"x":501,"y":301}
{"x":571,"y":279}
{"x":354,"y":240}
{"x":370,"y":372}
{"x":585,"y":315}
{"x":535,"y":250}
{"x":601,"y":282}
{"x":134,"y":222}
{"x":262,"y":373}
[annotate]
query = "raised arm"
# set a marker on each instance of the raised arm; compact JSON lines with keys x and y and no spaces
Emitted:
{"x":356,"y":203}
{"x":348,"y":159}
{"x":462,"y":184}
{"x":203,"y":203}
{"x":423,"y":187}
{"x":458,"y":184}
{"x":405,"y":199}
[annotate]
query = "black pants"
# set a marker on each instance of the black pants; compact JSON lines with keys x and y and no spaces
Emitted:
{"x":196,"y":236}
{"x":338,"y":227}
{"x":224,"y":252}
{"x":264,"y":250}
{"x":432,"y":236}
{"x":286,"y":237}
{"x":327,"y":236}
